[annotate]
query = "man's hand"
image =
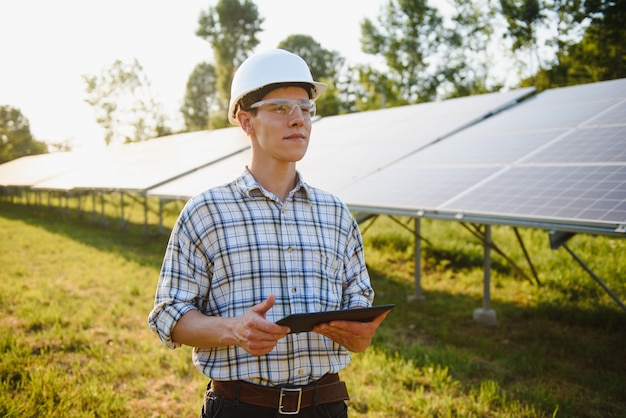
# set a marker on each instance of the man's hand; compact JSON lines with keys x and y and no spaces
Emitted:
{"x":353,"y":335}
{"x":254,"y":333}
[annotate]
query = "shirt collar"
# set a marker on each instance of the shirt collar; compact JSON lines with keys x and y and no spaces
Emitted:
{"x":247,"y":184}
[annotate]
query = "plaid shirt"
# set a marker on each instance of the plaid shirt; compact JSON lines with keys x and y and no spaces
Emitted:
{"x":233,"y":246}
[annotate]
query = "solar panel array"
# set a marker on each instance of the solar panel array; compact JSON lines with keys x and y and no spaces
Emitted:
{"x":139,"y":166}
{"x":347,"y":148}
{"x":28,"y":171}
{"x":556,"y":160}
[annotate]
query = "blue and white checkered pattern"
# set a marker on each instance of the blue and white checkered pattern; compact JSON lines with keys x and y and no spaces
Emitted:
{"x":234,"y":245}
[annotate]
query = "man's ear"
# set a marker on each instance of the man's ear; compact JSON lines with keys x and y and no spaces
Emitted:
{"x":245,"y":122}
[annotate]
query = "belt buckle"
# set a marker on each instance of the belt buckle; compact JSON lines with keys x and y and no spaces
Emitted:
{"x":283,"y":393}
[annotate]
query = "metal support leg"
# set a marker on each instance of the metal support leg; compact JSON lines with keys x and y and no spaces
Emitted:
{"x":160,"y":216}
{"x":486,"y":315}
{"x":122,"y":219}
{"x":559,"y":239}
{"x":417,"y":262}
{"x":145,"y":213}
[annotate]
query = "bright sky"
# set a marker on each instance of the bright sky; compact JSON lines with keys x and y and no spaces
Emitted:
{"x":47,"y":46}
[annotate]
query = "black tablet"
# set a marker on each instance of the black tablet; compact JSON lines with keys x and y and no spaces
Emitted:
{"x":306,"y":321}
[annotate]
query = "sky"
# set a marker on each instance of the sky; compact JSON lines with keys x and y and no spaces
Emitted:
{"x":46,"y":46}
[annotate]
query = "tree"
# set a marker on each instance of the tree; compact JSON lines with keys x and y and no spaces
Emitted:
{"x":376,"y":90}
{"x":599,"y":55}
{"x":123,"y":104}
{"x":545,"y":30}
{"x":321,"y":61}
{"x":415,"y":45}
{"x":521,"y":16}
{"x":231,"y":27}
{"x":16,"y":139}
{"x":325,"y":65}
{"x":200,"y":97}
{"x":476,"y":42}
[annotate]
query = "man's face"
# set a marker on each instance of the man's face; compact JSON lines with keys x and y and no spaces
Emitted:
{"x":281,"y":128}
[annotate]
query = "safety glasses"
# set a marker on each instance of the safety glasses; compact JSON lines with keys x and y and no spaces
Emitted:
{"x":286,"y":107}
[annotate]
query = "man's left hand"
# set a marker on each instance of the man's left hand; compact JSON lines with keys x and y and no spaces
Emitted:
{"x":353,"y":335}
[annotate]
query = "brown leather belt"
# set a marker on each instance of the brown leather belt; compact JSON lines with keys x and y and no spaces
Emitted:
{"x":287,"y":400}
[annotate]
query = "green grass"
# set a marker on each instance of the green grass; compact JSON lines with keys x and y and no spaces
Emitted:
{"x":74,"y":298}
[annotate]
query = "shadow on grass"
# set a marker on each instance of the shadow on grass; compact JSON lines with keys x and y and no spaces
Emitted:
{"x":546,"y":355}
{"x":466,"y":260}
{"x":132,"y":242}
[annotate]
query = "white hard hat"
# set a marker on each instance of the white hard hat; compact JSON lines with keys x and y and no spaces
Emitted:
{"x":270,"y":67}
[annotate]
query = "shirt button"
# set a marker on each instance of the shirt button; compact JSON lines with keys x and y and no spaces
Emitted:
{"x":300,"y":372}
{"x":294,"y":290}
{"x":289,"y":249}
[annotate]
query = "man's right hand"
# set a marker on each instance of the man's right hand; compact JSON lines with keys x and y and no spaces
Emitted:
{"x":254,"y":333}
{"x":251,"y":331}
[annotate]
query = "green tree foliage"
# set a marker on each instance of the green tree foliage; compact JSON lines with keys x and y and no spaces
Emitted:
{"x":123,"y":104}
{"x":325,"y":66}
{"x":600,"y":54}
{"x":560,"y":23}
{"x":231,"y":27}
{"x":376,"y":90}
{"x":322,"y":62}
{"x":200,"y":97}
{"x":522,"y":17}
{"x":425,"y":55}
{"x":416,"y":47}
{"x":474,"y":23}
{"x":16,"y":139}
{"x":568,"y":20}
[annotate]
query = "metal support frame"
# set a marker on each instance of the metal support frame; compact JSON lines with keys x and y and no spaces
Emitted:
{"x":160,"y":230}
{"x":475,"y":230}
{"x":145,"y":212}
{"x":559,"y":239}
{"x":122,"y":218}
{"x":486,"y":315}
{"x":417,"y":262}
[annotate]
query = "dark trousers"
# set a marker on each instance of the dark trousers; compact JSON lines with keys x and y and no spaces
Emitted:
{"x":216,"y":406}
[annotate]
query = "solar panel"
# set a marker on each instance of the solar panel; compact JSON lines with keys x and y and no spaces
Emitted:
{"x":346,"y":148}
{"x":589,"y":193}
{"x":139,"y":166}
{"x":218,"y":173}
{"x":611,"y":116}
{"x":556,"y":159}
{"x":27,"y":171}
{"x":349,"y":147}
{"x":413,"y":188}
{"x":482,"y":148}
{"x":586,"y":92}
{"x":594,"y":144}
{"x":536,"y":114}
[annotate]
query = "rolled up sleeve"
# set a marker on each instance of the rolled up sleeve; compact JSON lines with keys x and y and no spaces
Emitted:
{"x":183,"y":283}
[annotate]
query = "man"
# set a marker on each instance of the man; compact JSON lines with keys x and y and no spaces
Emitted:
{"x":246,"y":254}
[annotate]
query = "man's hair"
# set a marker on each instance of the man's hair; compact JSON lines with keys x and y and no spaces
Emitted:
{"x":258,"y":95}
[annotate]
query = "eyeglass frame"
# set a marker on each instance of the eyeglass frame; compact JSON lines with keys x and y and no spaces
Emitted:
{"x":291,"y":103}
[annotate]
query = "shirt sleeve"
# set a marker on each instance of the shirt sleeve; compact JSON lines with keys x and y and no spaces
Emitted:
{"x":183,"y":282}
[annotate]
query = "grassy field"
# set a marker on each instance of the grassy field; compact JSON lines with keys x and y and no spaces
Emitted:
{"x":74,"y":297}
